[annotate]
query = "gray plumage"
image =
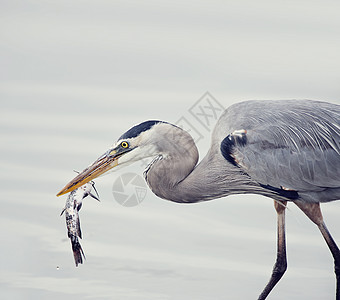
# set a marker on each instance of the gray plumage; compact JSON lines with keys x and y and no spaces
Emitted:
{"x":285,"y":150}
{"x":290,"y":146}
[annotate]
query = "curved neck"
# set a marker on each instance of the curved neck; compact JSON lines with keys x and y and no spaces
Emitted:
{"x":177,"y":178}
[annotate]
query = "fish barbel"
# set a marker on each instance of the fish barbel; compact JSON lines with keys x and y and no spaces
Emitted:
{"x":72,"y":207}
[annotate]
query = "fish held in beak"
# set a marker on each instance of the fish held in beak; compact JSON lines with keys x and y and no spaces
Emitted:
{"x":103,"y":164}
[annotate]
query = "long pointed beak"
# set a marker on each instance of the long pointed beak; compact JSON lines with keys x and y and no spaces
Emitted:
{"x":104,"y":163}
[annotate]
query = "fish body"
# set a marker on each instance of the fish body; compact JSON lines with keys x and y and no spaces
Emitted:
{"x":72,"y":207}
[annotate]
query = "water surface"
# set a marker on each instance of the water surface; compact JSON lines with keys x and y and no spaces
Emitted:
{"x":73,"y":79}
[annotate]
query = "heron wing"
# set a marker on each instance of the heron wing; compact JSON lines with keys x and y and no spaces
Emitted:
{"x":289,"y":145}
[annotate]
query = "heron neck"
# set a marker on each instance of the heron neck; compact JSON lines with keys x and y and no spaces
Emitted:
{"x":179,"y":179}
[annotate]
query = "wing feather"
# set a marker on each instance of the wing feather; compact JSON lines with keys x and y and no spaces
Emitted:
{"x":290,"y":144}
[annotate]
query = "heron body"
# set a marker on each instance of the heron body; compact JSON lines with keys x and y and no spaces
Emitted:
{"x":286,"y":150}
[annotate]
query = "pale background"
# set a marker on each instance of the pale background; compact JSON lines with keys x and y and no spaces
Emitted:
{"x":76,"y":74}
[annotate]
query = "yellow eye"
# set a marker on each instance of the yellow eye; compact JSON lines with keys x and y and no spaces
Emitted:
{"x":125,"y":144}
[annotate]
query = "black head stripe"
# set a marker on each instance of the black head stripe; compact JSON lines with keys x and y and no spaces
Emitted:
{"x":138,"y":129}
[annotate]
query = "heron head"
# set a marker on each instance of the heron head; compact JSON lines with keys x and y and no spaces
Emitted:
{"x":141,"y":141}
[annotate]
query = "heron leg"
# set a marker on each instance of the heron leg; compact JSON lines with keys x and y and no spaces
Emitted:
{"x":280,"y":266}
{"x":313,"y":212}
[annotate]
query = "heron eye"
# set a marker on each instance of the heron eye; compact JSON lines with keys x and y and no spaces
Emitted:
{"x":125,"y":144}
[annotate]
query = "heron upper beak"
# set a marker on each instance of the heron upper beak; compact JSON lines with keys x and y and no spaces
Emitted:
{"x":103,"y":164}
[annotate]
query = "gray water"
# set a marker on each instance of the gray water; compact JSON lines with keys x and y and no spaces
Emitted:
{"x":75,"y":76}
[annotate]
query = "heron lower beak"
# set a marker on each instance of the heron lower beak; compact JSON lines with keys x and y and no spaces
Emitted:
{"x":103,"y":164}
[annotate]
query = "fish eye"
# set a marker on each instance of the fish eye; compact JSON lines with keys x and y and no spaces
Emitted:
{"x":124,"y":144}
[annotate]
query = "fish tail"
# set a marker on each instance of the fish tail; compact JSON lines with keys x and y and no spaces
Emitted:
{"x":78,"y":252}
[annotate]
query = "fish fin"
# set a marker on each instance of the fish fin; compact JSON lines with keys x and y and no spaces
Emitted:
{"x":96,"y":193}
{"x":94,"y":197}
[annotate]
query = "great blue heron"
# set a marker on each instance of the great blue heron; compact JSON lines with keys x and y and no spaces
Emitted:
{"x":286,"y":150}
